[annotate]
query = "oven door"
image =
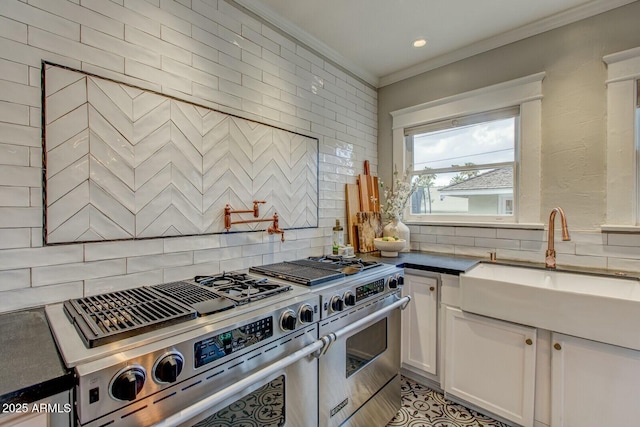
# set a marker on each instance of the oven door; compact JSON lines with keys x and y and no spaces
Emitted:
{"x":283,"y":399}
{"x":361,"y":362}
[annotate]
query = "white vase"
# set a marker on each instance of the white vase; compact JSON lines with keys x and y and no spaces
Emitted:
{"x":396,"y":228}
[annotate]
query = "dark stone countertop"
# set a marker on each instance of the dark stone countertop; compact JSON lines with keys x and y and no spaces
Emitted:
{"x":31,"y":365}
{"x":447,"y":264}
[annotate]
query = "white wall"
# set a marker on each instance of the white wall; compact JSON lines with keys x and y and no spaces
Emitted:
{"x":574,"y":138}
{"x":203,"y":51}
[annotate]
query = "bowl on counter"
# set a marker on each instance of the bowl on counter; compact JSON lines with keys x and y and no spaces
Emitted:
{"x":389,"y":248}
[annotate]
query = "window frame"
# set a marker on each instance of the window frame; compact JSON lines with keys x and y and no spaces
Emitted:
{"x":484,"y":117}
{"x":623,"y":154}
{"x":525,"y":92}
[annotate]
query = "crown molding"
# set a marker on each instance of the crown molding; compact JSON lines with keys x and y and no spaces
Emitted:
{"x":564,"y":18}
{"x":308,"y":41}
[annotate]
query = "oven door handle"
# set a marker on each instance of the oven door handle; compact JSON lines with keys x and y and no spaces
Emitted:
{"x":363,"y":323}
{"x":214,"y":399}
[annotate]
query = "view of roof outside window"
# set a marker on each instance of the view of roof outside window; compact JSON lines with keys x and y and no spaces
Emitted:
{"x":471,"y":168}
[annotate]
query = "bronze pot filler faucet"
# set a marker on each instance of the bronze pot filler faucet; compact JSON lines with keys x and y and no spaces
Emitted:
{"x":550,"y":254}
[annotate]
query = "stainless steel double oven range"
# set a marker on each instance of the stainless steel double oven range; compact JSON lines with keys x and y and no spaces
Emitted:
{"x":304,"y":343}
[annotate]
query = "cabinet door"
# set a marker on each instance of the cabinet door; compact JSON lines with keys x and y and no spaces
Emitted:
{"x":593,"y":384}
{"x":419,"y":325}
{"x":491,"y":364}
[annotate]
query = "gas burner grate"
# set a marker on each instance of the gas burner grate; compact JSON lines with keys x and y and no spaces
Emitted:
{"x":103,"y":319}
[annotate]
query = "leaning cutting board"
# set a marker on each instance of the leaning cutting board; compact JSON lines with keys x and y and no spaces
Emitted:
{"x":369,"y":227}
{"x":353,"y":207}
{"x":369,"y":191}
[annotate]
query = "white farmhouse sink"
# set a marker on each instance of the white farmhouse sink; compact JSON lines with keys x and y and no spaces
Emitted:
{"x":597,"y":307}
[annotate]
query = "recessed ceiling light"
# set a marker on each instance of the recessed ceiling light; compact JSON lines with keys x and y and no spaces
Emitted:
{"x":419,"y":43}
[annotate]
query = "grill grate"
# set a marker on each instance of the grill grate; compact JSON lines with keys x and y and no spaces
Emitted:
{"x":297,"y":273}
{"x":186,"y":292}
{"x":102,"y":319}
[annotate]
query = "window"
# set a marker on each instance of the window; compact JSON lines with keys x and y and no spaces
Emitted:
{"x":481,"y":151}
{"x":623,"y":144}
{"x":470,"y":162}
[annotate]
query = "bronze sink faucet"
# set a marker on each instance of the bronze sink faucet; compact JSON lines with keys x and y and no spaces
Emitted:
{"x":550,"y":254}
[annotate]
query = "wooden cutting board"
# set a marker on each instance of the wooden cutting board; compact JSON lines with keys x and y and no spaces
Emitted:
{"x":353,"y":207}
{"x":369,"y":227}
{"x":369,"y":191}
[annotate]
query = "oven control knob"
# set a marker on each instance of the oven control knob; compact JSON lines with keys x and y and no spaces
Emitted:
{"x":127,"y":383}
{"x":168,"y":367}
{"x":349,"y":299}
{"x":288,"y":320}
{"x":337,"y":304}
{"x":305,"y":314}
{"x":393,"y":282}
{"x":400,"y":280}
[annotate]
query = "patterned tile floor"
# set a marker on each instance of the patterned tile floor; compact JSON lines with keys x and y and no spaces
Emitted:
{"x":423,"y":407}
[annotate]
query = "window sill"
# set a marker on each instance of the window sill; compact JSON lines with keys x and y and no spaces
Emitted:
{"x":522,"y":226}
{"x":610,"y":228}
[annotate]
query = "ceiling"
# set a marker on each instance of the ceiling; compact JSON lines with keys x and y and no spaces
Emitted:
{"x":373,"y":38}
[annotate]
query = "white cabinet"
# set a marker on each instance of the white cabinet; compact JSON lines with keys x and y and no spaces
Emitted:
{"x":491,"y":364}
{"x":593,"y":384}
{"x":420,"y":326}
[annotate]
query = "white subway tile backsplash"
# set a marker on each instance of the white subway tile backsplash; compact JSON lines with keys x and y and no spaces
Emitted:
{"x":497,"y":243}
{"x":510,"y":233}
{"x":53,"y":274}
{"x":12,"y":29}
{"x":14,"y":196}
{"x":240,"y":91}
{"x":125,"y":15}
{"x":617,"y":239}
{"x":62,"y":46}
{"x":623,"y":264}
{"x":87,"y":17}
{"x":158,"y":262}
{"x":120,"y":47}
{"x":13,"y":71}
{"x":20,"y":176}
{"x":190,"y":271}
{"x":151,"y":43}
{"x":240,"y":263}
{"x":195,"y":75}
{"x":25,"y":258}
{"x":36,"y":17}
{"x":19,"y":217}
{"x":179,"y":11}
{"x":143,"y":71}
{"x":452,"y":240}
{"x":14,"y":113}
{"x":119,"y":283}
{"x":261,"y":87}
{"x":18,"y":93}
{"x":164,"y":17}
{"x":32,"y":297}
{"x":15,"y":279}
{"x":234,"y":13}
{"x":12,"y":238}
{"x":14,"y":155}
{"x":217,"y":70}
{"x":111,"y":250}
{"x":216,"y":254}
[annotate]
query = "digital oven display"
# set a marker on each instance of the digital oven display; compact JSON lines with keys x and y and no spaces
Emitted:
{"x":373,"y":288}
{"x":218,"y":346}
